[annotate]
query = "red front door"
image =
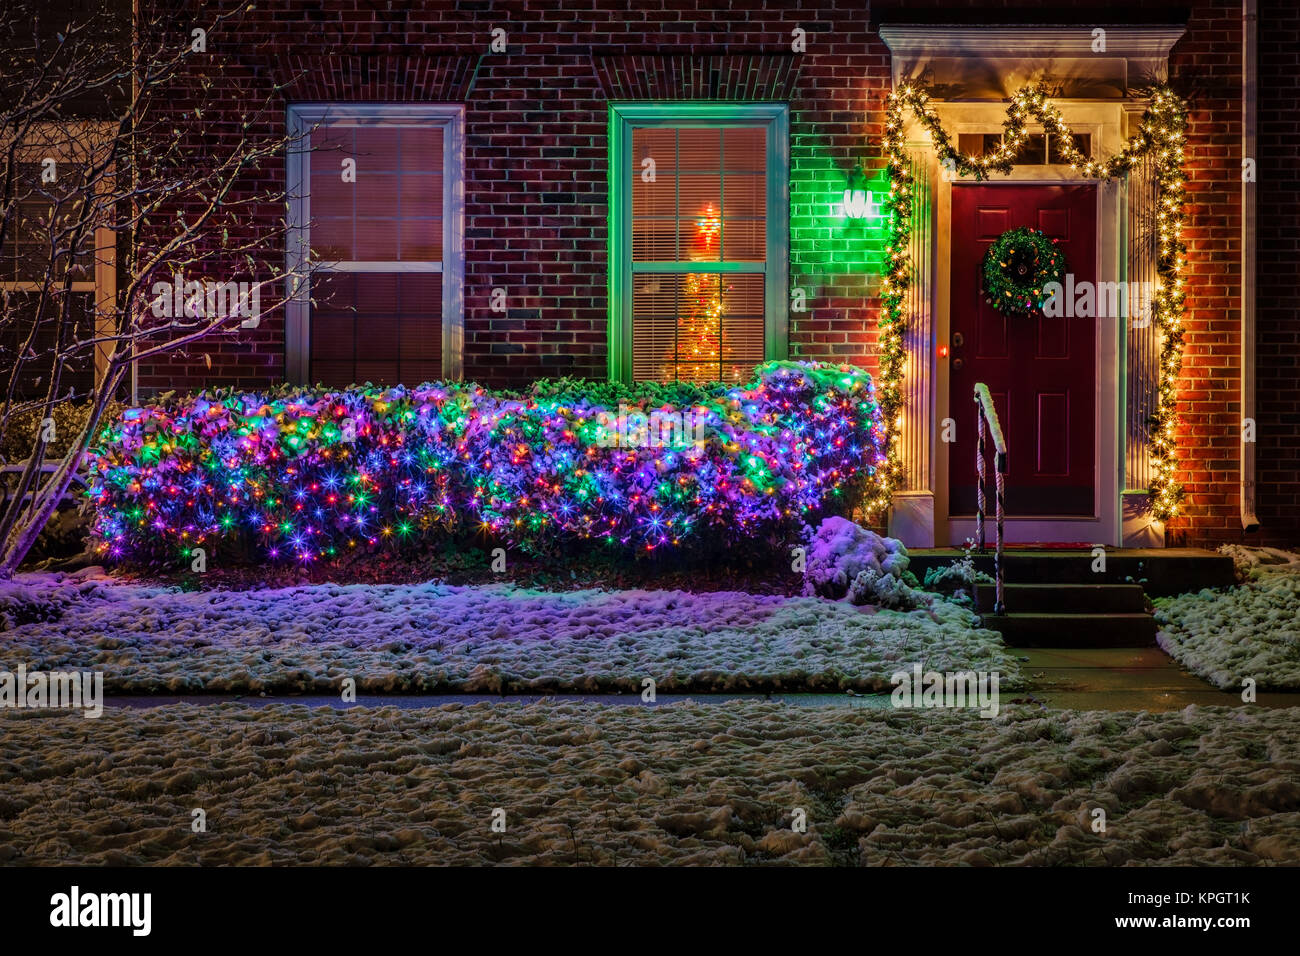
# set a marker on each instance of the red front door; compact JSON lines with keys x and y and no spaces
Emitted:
{"x":1040,"y":371}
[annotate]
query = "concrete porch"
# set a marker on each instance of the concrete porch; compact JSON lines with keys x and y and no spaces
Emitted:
{"x":1083,"y":598}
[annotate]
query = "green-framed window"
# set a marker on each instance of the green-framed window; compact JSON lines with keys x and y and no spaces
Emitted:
{"x":699,"y":236}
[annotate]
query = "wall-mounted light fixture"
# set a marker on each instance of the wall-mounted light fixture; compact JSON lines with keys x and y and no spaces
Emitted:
{"x":857,"y":198}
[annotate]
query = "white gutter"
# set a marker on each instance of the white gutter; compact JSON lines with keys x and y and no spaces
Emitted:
{"x":1249,"y":72}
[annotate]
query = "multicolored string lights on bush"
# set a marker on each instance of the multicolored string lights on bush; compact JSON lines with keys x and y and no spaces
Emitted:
{"x":1161,"y":135}
{"x":307,"y":474}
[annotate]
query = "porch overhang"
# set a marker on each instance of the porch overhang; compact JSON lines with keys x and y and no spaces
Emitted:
{"x":1079,"y":62}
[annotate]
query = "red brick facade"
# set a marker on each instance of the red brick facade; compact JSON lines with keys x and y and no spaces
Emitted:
{"x":1278,"y":312}
{"x":535,"y":179}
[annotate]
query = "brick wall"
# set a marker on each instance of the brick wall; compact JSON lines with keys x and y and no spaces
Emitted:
{"x":1277,"y":317}
{"x":535,"y":157}
{"x":536,"y":180}
{"x":1206,"y":69}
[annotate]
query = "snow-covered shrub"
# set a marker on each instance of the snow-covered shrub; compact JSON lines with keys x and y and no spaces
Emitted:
{"x":956,"y":580}
{"x":309,"y":473}
{"x":882,"y":590}
{"x":847,"y":560}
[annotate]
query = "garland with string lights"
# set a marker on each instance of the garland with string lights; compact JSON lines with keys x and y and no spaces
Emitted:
{"x":306,"y":475}
{"x":1161,"y":135}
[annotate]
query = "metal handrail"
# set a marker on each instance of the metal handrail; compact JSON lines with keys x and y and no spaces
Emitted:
{"x":986,"y":413}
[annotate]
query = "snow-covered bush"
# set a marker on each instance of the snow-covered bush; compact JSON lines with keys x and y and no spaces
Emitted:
{"x":845,"y":560}
{"x":956,"y":580}
{"x":882,"y":590}
{"x":308,"y":474}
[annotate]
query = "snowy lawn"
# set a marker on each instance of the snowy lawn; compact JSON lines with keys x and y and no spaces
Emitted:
{"x":690,"y":783}
{"x":425,"y":638}
{"x":1251,"y":631}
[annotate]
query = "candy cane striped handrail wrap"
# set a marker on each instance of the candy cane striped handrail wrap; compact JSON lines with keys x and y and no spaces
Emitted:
{"x":987,"y":417}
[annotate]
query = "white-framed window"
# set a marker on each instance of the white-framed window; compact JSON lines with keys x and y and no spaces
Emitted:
{"x":58,"y":261}
{"x":699,"y":239}
{"x":376,"y":217}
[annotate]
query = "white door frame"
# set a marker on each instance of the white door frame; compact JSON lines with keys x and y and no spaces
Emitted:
{"x":1105,"y":121}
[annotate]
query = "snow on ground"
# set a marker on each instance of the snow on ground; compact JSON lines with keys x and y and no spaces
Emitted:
{"x":690,"y":783}
{"x":1248,"y":561}
{"x":428,"y":638}
{"x":1253,"y":630}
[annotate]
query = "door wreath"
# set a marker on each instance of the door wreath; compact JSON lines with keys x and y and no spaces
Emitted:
{"x":1017,"y":268}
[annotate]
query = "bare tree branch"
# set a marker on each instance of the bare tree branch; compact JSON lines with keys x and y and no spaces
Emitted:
{"x":116,"y":135}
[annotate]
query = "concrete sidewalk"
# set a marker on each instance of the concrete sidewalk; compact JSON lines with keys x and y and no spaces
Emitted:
{"x":1076,"y":679}
{"x":1125,"y":679}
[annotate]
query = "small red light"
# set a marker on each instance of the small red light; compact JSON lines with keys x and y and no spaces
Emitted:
{"x":943,"y":351}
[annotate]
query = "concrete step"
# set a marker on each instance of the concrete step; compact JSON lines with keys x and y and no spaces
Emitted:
{"x":1065,"y":598}
{"x":1038,"y":629}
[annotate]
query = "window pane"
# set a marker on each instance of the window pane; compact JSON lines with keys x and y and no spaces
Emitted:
{"x":656,"y":143}
{"x":701,"y":234}
{"x":742,"y":327}
{"x":699,"y":192}
{"x":744,"y":240}
{"x":745,"y":148}
{"x":331,"y":240}
{"x":654,"y":240}
{"x":973,"y":144}
{"x":744,"y":231}
{"x":420,"y":314}
{"x":705,"y":182}
{"x":1034,"y":150}
{"x":654,"y":194}
{"x":699,"y":150}
{"x":376,"y":240}
{"x":33,"y":375}
{"x":1082,"y":142}
{"x":45,"y":218}
{"x":420,"y":239}
{"x":697,"y":327}
{"x":376,"y":194}
{"x":377,"y":149}
{"x":654,"y":326}
{"x":383,"y":328}
{"x":393,"y":210}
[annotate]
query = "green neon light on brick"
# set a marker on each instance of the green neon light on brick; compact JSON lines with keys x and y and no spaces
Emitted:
{"x":824,"y":241}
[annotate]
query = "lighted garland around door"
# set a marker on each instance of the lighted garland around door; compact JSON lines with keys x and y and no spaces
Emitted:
{"x":1161,"y":134}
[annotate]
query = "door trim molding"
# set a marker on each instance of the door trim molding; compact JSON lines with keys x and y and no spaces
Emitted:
{"x":920,"y":516}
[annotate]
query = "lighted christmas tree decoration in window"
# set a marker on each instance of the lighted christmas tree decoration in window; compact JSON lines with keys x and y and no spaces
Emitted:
{"x":697,"y":275}
{"x":698,"y":350}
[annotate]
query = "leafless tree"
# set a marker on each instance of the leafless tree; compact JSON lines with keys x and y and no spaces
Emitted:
{"x":132,"y":153}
